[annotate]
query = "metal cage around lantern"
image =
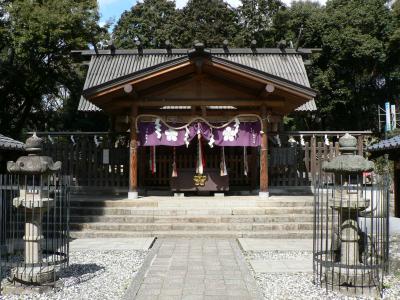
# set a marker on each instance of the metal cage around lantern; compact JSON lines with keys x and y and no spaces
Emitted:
{"x":34,"y":228}
{"x":351,"y":234}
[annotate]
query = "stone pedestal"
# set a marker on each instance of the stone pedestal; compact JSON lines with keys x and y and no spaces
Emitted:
{"x":34,"y":204}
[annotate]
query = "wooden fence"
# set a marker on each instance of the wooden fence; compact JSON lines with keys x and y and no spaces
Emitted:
{"x":100,"y":159}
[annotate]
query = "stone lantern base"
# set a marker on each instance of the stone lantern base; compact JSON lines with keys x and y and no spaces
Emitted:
{"x":33,"y":275}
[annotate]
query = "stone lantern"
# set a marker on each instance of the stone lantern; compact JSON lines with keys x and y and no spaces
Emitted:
{"x":348,"y":201}
{"x":33,"y":201}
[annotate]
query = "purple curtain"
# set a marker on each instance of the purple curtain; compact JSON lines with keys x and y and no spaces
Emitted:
{"x":248,"y":134}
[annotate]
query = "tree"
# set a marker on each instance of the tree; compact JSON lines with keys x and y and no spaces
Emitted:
{"x":352,"y":71}
{"x":207,"y":21}
{"x":256,"y":18}
{"x":35,"y":61}
{"x":150,"y":22}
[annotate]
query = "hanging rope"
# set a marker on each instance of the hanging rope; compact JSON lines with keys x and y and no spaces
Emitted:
{"x":194,"y":119}
{"x":200,"y":163}
{"x":153,"y":167}
{"x":174,"y":167}
{"x":223,"y":171}
{"x":245,"y":163}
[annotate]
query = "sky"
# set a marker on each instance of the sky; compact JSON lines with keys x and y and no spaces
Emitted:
{"x":112,"y":9}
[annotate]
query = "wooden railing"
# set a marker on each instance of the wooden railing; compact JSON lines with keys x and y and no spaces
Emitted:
{"x":98,"y":159}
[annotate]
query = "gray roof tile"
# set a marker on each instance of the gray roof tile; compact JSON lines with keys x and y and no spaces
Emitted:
{"x":104,"y":68}
{"x":389,"y":144}
{"x":7,"y":143}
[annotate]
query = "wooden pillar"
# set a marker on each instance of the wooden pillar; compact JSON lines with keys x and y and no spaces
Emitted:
{"x":264,"y":192}
{"x":133,"y":157}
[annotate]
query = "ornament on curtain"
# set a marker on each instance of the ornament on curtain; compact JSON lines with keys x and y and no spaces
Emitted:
{"x":153,"y":168}
{"x":223,"y":171}
{"x":200,"y":163}
{"x":245,"y":163}
{"x":174,"y":167}
{"x":186,"y":138}
{"x":302,"y":142}
{"x":157,"y":126}
{"x":172,"y":135}
{"x":212,"y":140}
{"x":229,"y":134}
{"x":326,"y":140}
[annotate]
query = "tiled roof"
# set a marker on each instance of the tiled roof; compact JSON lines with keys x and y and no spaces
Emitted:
{"x":7,"y":143}
{"x":106,"y":67}
{"x":389,"y":144}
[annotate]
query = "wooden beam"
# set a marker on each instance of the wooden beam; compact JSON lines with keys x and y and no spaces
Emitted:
{"x":140,"y":79}
{"x":286,"y":87}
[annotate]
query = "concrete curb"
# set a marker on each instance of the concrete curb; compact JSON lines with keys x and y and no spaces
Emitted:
{"x":138,"y":279}
{"x":251,"y":284}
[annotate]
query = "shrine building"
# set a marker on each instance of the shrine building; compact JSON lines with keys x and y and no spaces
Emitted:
{"x":198,"y":105}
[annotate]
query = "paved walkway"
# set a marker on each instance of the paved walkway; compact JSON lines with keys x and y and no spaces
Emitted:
{"x":194,"y":269}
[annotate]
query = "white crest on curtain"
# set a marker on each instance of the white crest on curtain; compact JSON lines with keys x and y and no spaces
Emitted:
{"x":157,"y":126}
{"x":172,"y":135}
{"x":229,"y":134}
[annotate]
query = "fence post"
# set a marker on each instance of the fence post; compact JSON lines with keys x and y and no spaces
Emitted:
{"x":313,"y":158}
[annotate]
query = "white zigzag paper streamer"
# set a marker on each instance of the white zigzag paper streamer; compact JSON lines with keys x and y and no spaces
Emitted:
{"x":186,"y":138}
{"x":236,"y":126}
{"x":212,"y":140}
{"x":326,"y":140}
{"x":157,"y":127}
{"x":302,"y":142}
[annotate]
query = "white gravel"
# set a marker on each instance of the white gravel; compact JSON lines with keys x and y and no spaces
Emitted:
{"x":300,"y":286}
{"x":94,"y":275}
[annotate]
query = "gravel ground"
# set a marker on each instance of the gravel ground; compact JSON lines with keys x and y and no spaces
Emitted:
{"x":94,"y":275}
{"x":300,"y":286}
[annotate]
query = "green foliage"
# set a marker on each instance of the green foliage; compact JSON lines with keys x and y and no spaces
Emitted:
{"x":208,"y":21}
{"x":256,"y":20}
{"x":150,"y":22}
{"x":37,"y":75}
{"x":354,"y":72}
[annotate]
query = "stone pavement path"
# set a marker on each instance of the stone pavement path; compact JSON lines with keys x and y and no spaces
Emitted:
{"x":194,"y":269}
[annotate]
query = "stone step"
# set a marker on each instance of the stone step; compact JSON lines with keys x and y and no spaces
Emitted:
{"x":298,"y":234}
{"x":194,"y":219}
{"x":149,"y":227}
{"x":195,"y":202}
{"x":147,"y":211}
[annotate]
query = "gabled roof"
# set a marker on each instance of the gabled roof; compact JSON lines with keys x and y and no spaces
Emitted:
{"x":389,"y":144}
{"x":7,"y":143}
{"x":106,"y":67}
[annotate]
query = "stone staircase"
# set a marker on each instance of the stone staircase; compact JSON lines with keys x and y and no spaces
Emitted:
{"x":233,"y":216}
